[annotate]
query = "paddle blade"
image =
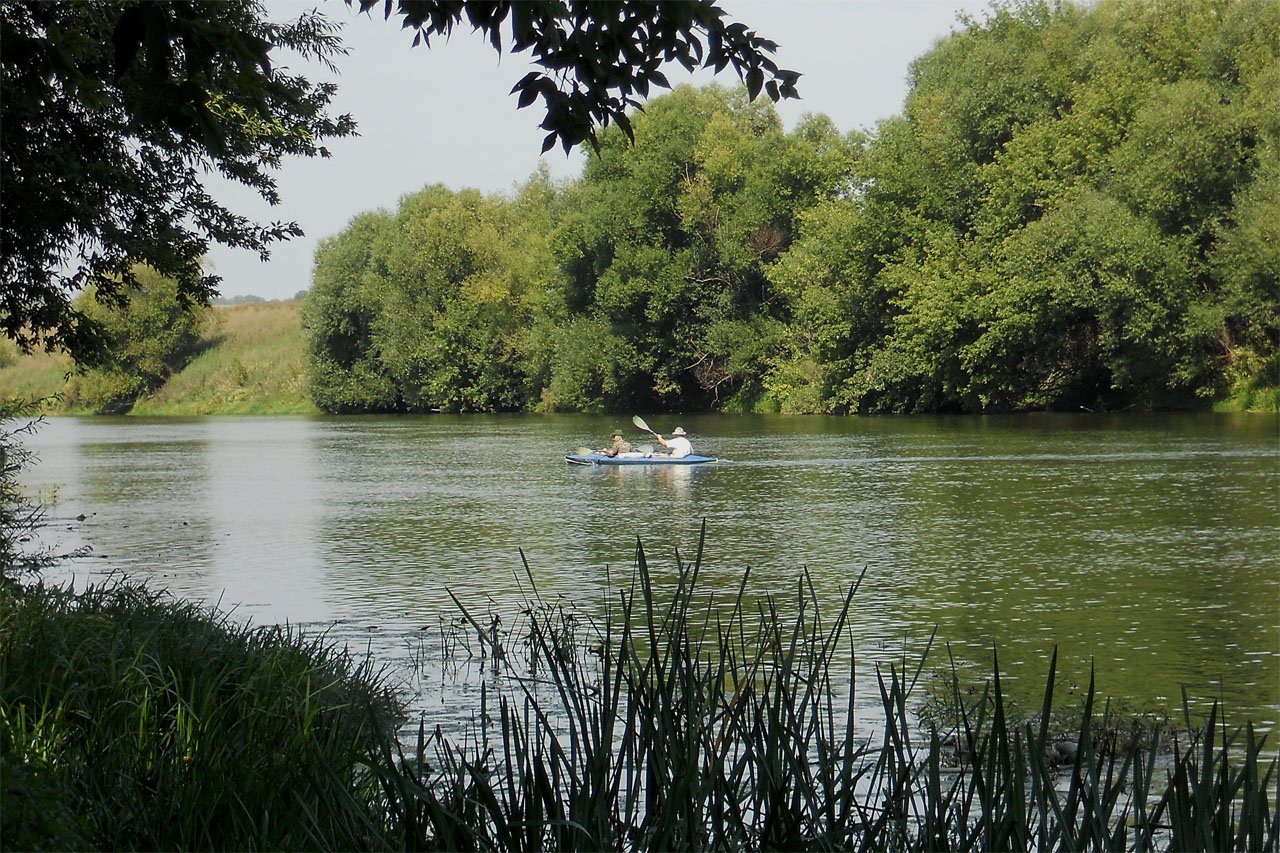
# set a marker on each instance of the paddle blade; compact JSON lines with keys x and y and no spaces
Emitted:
{"x":582,"y":451}
{"x":639,"y":421}
{"x":646,"y":448}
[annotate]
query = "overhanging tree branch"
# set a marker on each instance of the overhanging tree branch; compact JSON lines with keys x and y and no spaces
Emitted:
{"x":600,"y":58}
{"x":114,"y":111}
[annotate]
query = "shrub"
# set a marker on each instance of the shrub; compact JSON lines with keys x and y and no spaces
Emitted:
{"x":131,"y":720}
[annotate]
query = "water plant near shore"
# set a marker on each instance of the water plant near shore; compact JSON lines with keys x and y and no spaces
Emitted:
{"x":129,"y":719}
{"x":689,"y":724}
{"x":20,"y":517}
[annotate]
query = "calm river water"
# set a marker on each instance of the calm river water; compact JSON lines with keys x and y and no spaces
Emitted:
{"x":1146,"y":545}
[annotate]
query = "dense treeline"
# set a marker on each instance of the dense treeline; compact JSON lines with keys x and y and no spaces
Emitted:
{"x":1077,"y":207}
{"x":642,"y":283}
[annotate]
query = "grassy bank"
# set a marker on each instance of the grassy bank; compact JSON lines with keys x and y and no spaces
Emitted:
{"x":40,"y":376}
{"x":133,"y":721}
{"x":251,"y":362}
{"x":1254,"y":395}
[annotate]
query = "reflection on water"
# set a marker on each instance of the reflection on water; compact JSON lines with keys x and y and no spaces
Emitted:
{"x":1146,"y":545}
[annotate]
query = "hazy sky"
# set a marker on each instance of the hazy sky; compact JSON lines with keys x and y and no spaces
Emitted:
{"x":444,"y":115}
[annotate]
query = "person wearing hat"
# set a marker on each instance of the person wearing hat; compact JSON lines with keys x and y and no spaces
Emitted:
{"x":677,"y":445}
{"x":618,"y":445}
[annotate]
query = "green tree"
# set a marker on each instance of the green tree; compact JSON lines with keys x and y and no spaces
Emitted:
{"x":458,"y":306}
{"x":1076,"y":208}
{"x":344,"y":371}
{"x":1202,"y":158}
{"x":114,"y":110}
{"x":1090,"y":311}
{"x":434,"y":308}
{"x":669,"y":239}
{"x":1246,"y":260}
{"x":602,"y":60}
{"x":150,"y":336}
{"x":1072,"y":211}
{"x":594,"y":366}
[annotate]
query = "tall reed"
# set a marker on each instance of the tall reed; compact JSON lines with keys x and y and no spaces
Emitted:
{"x":686,"y":723}
{"x":674,"y":721}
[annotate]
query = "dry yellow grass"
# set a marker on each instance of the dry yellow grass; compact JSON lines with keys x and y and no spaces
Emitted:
{"x":39,"y":376}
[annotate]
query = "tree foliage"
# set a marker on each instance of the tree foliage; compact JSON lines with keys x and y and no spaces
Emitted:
{"x":601,"y":59}
{"x":343,"y":370}
{"x":1076,"y":209}
{"x":150,"y":335}
{"x":113,"y":112}
{"x":640,"y":285}
{"x":1070,"y":213}
{"x":670,"y":237}
{"x":432,"y":308}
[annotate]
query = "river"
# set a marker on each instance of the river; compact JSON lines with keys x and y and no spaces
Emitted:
{"x":1145,"y":545}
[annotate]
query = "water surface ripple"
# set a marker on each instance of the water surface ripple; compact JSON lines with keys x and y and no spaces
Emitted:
{"x":1145,"y":545}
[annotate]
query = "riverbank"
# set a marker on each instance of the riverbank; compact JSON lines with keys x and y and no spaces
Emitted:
{"x":252,"y":361}
{"x":660,"y":733}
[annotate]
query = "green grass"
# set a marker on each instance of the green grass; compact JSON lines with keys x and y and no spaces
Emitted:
{"x":253,"y":365}
{"x":130,"y":720}
{"x":40,"y":376}
{"x":251,"y":362}
{"x":1250,"y":397}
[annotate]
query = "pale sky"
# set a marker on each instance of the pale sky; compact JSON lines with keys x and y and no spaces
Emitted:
{"x":444,"y":115}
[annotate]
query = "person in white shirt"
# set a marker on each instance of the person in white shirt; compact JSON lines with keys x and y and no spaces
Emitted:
{"x":677,"y":446}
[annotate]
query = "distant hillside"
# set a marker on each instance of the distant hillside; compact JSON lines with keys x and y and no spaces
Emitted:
{"x":252,"y":363}
{"x":247,"y":298}
{"x":31,"y":377}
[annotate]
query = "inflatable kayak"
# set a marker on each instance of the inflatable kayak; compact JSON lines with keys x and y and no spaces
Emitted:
{"x":635,"y":459}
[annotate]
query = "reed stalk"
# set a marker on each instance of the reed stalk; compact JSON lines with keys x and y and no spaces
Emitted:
{"x":680,"y":722}
{"x":673,"y":721}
